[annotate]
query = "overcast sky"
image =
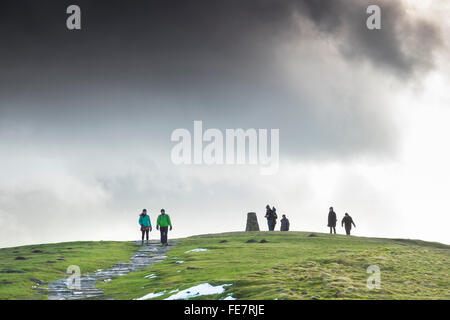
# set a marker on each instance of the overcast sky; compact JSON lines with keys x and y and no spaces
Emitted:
{"x":86,"y":116}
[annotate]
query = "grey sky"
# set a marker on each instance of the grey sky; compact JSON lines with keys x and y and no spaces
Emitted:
{"x":86,"y":116}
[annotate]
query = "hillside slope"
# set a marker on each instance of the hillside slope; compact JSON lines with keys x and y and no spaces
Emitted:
{"x":289,"y":265}
{"x":23,"y":268}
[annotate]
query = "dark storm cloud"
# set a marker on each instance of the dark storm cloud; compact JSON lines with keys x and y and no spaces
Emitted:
{"x":403,"y":45}
{"x":176,"y":61}
{"x":184,"y":44}
{"x":86,"y":116}
{"x":161,"y":45}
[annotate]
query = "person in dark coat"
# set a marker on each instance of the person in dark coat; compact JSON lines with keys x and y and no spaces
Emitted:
{"x":274,"y":213}
{"x":271,"y":217}
{"x":332,"y":220}
{"x":284,"y":223}
{"x":347,"y":221}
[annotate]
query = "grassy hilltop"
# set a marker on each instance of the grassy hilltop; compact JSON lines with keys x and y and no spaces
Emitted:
{"x":289,"y":265}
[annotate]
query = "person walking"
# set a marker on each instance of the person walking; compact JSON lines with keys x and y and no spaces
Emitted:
{"x":146,"y":225}
{"x":284,"y":223}
{"x":347,"y":221}
{"x":332,"y":220}
{"x":163,"y":223}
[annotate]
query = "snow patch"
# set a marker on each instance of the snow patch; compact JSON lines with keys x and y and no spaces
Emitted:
{"x":151,"y":295}
{"x":198,"y":290}
{"x":150,"y":276}
{"x":196,"y":250}
{"x":181,"y":261}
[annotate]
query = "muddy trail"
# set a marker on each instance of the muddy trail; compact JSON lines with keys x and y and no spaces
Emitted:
{"x":86,"y":289}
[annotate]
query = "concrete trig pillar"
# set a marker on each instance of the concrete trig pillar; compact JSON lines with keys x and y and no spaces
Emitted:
{"x":252,"y":222}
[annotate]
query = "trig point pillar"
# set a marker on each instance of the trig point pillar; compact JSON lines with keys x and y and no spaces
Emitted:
{"x":252,"y":222}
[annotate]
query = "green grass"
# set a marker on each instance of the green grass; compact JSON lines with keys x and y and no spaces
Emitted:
{"x":294,"y":266}
{"x":290,"y":266}
{"x":89,"y":256}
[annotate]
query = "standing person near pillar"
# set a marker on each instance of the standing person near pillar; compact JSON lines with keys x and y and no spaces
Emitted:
{"x":284,"y":223}
{"x":274,"y":212}
{"x":271,"y":218}
{"x":162,"y":224}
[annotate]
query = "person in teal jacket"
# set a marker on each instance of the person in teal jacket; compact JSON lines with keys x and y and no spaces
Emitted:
{"x":146,"y":225}
{"x":162,"y":223}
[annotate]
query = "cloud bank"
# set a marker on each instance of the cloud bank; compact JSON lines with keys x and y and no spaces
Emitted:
{"x":86,"y":116}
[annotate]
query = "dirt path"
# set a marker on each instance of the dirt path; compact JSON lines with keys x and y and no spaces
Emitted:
{"x":146,"y":256}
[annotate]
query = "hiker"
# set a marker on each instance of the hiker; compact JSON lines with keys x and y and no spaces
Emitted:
{"x":274,"y":211}
{"x":332,"y":220}
{"x":284,"y":223}
{"x":271,"y":217}
{"x":348,"y":221}
{"x":146,"y":225}
{"x":163,"y":224}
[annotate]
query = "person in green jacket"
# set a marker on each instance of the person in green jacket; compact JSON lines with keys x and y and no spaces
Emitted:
{"x":162,"y":223}
{"x":146,"y":225}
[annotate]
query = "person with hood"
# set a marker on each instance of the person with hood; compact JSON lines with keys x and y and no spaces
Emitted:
{"x":347,"y":221}
{"x":332,"y":220}
{"x":162,"y":223}
{"x":146,"y":225}
{"x":271,"y":217}
{"x":284,"y":223}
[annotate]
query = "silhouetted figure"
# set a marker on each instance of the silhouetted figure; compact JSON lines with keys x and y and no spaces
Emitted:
{"x":274,"y":211}
{"x":146,"y":225}
{"x":332,"y":220}
{"x":284,"y":223}
{"x":271,"y":217}
{"x":348,"y":221}
{"x":162,"y":223}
